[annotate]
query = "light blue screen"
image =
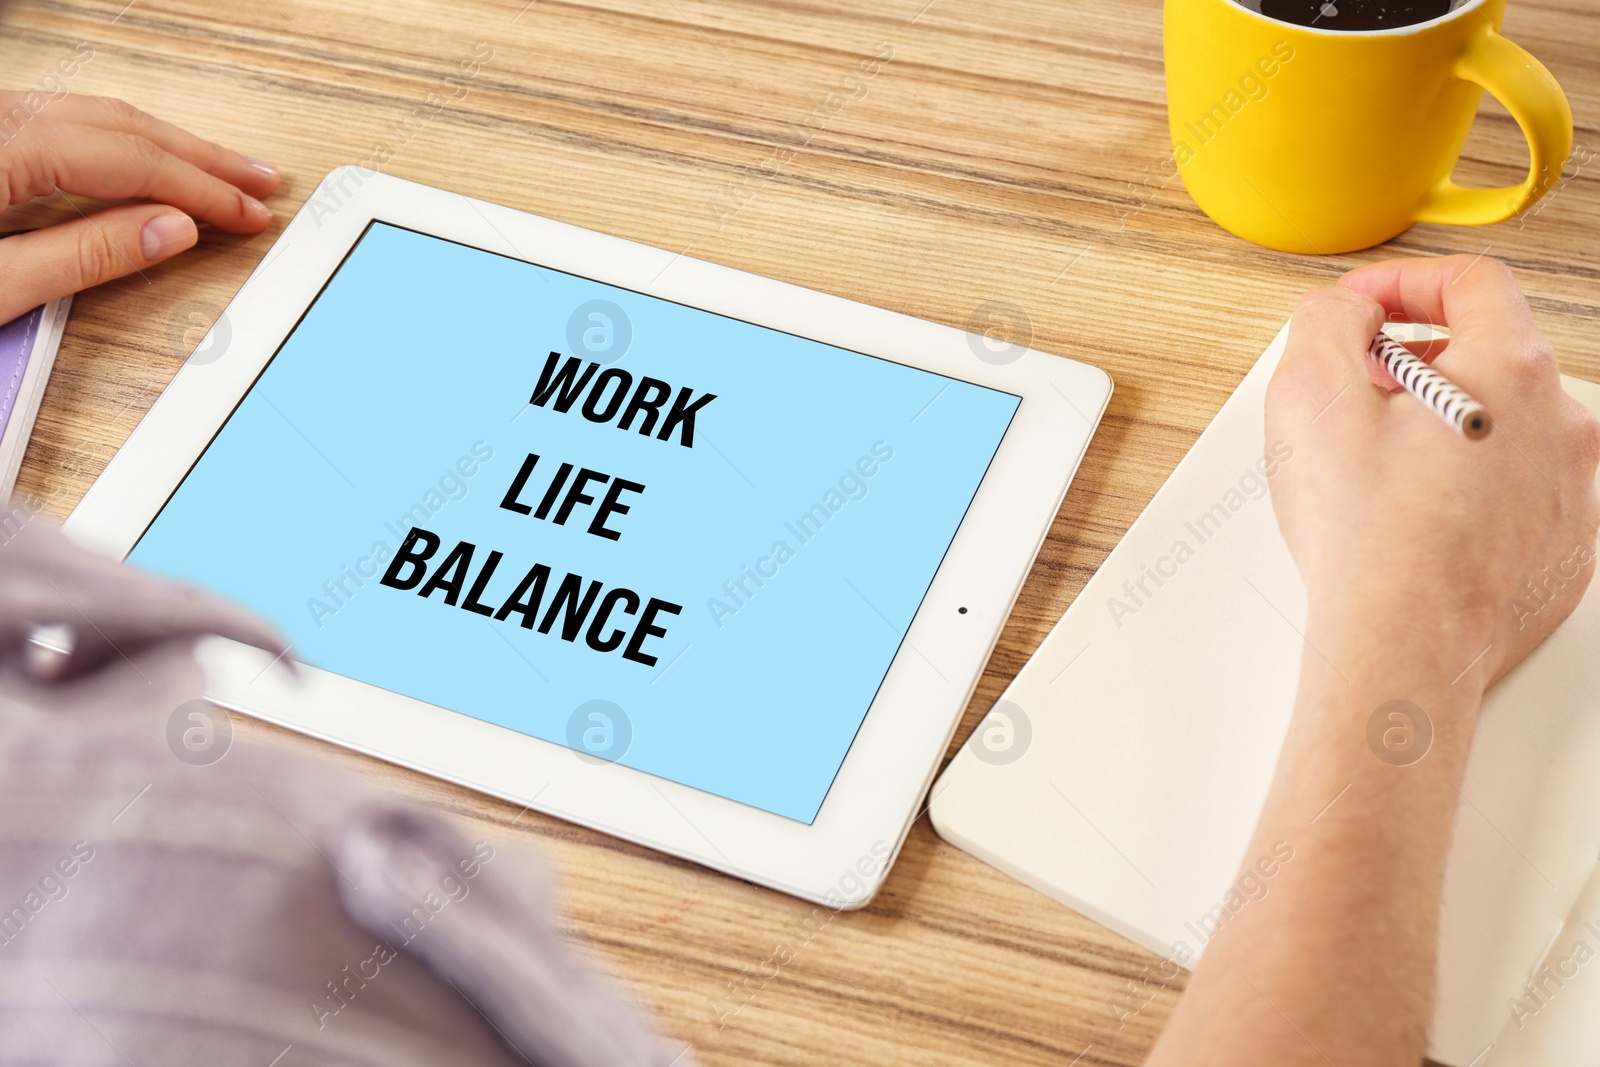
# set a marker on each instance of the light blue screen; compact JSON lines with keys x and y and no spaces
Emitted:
{"x":798,"y":531}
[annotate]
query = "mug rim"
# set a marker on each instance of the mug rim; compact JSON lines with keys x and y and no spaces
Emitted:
{"x":1393,"y":31}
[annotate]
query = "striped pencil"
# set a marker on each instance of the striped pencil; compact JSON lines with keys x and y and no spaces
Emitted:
{"x":1447,"y":399}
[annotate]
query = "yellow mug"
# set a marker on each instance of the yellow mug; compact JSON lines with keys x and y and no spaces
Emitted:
{"x":1314,"y":140}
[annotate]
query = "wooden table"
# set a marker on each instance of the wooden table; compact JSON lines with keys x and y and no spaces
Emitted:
{"x":1010,"y":150}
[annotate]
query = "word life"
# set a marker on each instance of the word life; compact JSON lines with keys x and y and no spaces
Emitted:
{"x":576,"y":493}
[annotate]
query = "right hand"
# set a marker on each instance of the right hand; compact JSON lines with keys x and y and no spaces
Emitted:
{"x":1396,"y":520}
{"x":112,"y":610}
{"x":110,"y":150}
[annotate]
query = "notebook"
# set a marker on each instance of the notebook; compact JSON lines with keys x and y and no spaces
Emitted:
{"x":27,"y":351}
{"x":1154,"y":712}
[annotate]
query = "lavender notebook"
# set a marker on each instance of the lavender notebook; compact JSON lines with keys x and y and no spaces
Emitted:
{"x":27,"y":351}
{"x":16,"y":345}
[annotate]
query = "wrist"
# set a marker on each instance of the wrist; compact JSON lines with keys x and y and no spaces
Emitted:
{"x":1406,"y":632}
{"x":1369,"y":708}
{"x":1400,"y":690}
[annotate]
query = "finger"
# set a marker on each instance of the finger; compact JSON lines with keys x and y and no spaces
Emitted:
{"x":127,"y":692}
{"x":41,"y":265}
{"x":1496,"y":352}
{"x":1326,"y":352}
{"x":1426,"y":351}
{"x":254,"y":176}
{"x":507,"y":953}
{"x":1466,"y":294}
{"x":129,"y":610}
{"x":46,"y":580}
{"x":93,"y":648}
{"x":107,"y":625}
{"x":46,"y":158}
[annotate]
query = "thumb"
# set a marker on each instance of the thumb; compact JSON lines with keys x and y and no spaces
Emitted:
{"x":41,"y":265}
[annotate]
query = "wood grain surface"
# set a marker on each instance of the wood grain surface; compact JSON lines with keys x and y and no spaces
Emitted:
{"x":1010,"y":150}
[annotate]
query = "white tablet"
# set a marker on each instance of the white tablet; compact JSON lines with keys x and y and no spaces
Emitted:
{"x":704,"y":560}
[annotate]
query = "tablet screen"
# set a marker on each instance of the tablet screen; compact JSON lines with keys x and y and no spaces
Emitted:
{"x":654,"y":534}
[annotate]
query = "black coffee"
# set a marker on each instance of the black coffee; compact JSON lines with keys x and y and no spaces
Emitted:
{"x":1355,"y":14}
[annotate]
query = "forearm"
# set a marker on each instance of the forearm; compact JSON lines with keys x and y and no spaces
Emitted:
{"x":1336,"y":961}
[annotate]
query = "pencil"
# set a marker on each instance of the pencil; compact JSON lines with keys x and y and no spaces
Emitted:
{"x":1447,"y":399}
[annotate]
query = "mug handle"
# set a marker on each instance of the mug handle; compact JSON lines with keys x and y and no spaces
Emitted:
{"x":1530,"y":93}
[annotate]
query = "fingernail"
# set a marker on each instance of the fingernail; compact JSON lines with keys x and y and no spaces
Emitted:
{"x":256,"y":207}
{"x":166,"y":234}
{"x":262,"y":165}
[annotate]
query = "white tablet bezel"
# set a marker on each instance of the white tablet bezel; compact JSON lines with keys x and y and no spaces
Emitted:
{"x":840,"y":859}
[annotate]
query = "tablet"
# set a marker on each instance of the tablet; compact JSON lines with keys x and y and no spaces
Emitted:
{"x":702,"y":559}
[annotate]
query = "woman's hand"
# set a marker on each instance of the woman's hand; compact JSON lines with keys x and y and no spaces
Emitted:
{"x":112,"y":611}
{"x":1392,"y":517}
{"x":1417,"y":547}
{"x":110,"y":150}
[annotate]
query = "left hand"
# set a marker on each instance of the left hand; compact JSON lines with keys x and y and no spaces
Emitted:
{"x":107,"y":149}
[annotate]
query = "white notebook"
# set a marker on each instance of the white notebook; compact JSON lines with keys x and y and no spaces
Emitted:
{"x":1156,"y":718}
